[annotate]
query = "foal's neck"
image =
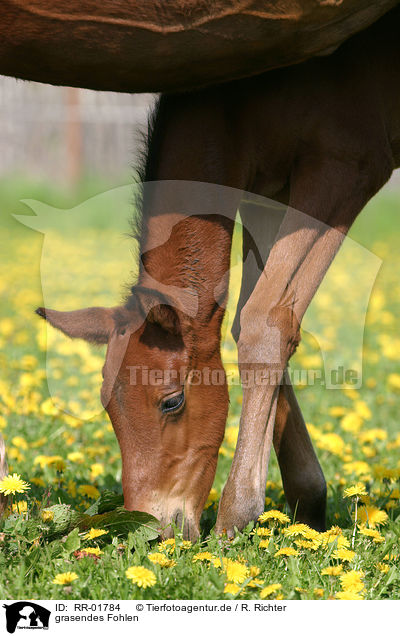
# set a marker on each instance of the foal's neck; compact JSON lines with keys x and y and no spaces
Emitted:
{"x":186,"y":255}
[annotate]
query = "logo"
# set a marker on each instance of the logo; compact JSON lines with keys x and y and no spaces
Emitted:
{"x":26,"y":615}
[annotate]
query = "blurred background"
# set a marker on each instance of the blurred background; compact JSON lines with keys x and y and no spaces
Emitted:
{"x":63,"y":134}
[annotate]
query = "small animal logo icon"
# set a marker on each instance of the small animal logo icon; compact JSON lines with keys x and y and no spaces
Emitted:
{"x":26,"y":615}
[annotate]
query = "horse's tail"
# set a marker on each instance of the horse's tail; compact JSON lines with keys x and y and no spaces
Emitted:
{"x":3,"y":472}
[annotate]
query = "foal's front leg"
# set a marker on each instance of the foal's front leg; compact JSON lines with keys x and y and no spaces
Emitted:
{"x":271,"y":318}
{"x":302,"y":477}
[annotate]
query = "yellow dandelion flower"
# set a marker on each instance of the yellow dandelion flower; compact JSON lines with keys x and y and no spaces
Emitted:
{"x":94,"y":533}
{"x":231,"y":435}
{"x":47,"y":515}
{"x":273,"y":515}
{"x":231,"y":588}
{"x":373,"y":534}
{"x":348,"y":596}
{"x":14,"y":453}
{"x":20,"y":507}
{"x":262,"y":532}
{"x":19,"y":442}
{"x":264,"y":543}
{"x":236,"y":572}
{"x":254,"y":570}
{"x":334,"y":531}
{"x":343,"y":554}
{"x":372,"y":515}
{"x":297,"y":529}
{"x":11,"y":484}
{"x":213,"y":496}
{"x":332,"y":570}
{"x":355,"y":491}
{"x":394,"y":381}
{"x":217,"y":562}
{"x":332,"y":443}
{"x":351,"y":581}
{"x":89,"y":491}
{"x":270,"y":589}
{"x":351,"y":422}
{"x":373,"y":434}
{"x":382,"y":472}
{"x":357,"y":467}
{"x":255,"y":583}
{"x":76,"y":457}
{"x":161,"y":559}
{"x":337,"y":411}
{"x":383,"y":567}
{"x":96,"y":470}
{"x":168,"y":545}
{"x":142,"y":577}
{"x":54,"y":460}
{"x":48,"y":408}
{"x":286,"y":552}
{"x":330,"y":536}
{"x":65,"y":578}
{"x":351,"y":393}
{"x":308,"y":544}
{"x":95,"y":551}
{"x":363,"y":409}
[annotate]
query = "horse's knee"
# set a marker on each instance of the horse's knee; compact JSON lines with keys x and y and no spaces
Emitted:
{"x":268,"y":339}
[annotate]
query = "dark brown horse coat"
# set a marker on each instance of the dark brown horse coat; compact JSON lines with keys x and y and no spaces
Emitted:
{"x":150,"y":46}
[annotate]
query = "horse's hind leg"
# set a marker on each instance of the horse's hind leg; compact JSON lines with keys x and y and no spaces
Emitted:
{"x":302,"y":477}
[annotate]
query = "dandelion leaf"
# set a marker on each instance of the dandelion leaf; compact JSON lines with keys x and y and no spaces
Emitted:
{"x":72,"y":541}
{"x":120,"y":522}
{"x":107,"y":501}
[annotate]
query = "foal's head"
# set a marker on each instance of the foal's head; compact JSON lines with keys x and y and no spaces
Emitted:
{"x":165,"y":392}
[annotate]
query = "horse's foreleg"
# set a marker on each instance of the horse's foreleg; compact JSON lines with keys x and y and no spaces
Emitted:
{"x":332,"y":193}
{"x":302,"y":477}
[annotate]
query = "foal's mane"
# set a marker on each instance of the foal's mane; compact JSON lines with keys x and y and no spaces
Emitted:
{"x":145,"y":168}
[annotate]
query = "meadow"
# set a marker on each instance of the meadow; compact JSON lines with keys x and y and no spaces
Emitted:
{"x":66,"y":535}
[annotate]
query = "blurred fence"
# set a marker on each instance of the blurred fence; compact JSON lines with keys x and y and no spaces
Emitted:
{"x":61,"y":133}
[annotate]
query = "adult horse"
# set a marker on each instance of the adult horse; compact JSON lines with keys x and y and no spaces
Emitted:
{"x":292,"y":135}
{"x":135,"y":46}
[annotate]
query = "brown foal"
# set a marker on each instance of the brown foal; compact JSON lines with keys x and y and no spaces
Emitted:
{"x":322,"y":138}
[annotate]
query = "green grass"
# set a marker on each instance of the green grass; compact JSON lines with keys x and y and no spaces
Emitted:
{"x":62,"y":454}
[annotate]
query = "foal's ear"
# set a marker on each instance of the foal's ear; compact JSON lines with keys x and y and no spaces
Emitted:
{"x":94,"y":324}
{"x":165,"y":316}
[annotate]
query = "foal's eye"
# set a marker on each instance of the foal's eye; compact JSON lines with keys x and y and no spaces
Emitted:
{"x":173,"y":403}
